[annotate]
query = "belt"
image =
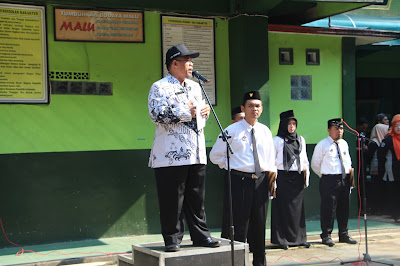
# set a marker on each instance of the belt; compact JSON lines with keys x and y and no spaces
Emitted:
{"x":248,"y":175}
{"x":338,"y":175}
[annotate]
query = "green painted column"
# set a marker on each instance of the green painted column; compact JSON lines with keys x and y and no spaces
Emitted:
{"x":249,"y":67}
{"x":349,"y":80}
{"x":349,"y":107}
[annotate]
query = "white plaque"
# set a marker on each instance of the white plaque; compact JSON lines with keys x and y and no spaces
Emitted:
{"x":198,"y":36}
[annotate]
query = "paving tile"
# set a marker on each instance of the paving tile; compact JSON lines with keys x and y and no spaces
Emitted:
{"x":92,"y":248}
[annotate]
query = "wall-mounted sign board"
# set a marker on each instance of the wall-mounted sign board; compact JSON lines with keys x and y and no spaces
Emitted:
{"x":98,"y":25}
{"x":23,"y":54}
{"x":198,"y":35}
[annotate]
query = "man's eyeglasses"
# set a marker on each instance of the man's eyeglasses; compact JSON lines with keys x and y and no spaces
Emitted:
{"x":184,"y":60}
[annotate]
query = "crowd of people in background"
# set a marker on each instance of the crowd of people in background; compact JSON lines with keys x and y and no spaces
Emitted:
{"x":382,"y":165}
{"x":389,"y":168}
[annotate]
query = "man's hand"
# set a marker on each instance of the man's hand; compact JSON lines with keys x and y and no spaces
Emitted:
{"x":205,"y":111}
{"x":192,"y":108}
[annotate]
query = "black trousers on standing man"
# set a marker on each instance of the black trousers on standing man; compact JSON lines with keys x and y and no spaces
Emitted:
{"x":181,"y":191}
{"x":335,"y":200}
{"x":249,"y":210}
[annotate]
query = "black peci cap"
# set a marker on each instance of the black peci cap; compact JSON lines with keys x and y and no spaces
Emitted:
{"x":251,"y":95}
{"x":336,"y":122}
{"x":176,"y":51}
{"x":236,"y":110}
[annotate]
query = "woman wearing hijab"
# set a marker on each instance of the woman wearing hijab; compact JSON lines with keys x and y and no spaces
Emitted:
{"x":375,"y":186}
{"x":288,"y":227}
{"x":382,"y":119}
{"x":389,"y":167}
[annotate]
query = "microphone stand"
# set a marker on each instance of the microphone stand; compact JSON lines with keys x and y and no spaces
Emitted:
{"x":367,"y":258}
{"x":225,"y":138}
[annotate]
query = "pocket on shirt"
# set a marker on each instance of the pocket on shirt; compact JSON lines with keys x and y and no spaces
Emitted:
{"x":239,"y":143}
{"x":333,"y":153}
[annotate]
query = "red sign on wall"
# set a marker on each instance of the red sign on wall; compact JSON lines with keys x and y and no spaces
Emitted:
{"x":98,"y":26}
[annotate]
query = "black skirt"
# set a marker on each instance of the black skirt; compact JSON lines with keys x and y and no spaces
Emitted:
{"x":288,"y":226}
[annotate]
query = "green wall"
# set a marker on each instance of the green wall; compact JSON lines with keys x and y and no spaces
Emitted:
{"x":77,"y":168}
{"x":121,"y":121}
{"x":64,"y":196}
{"x":349,"y":92}
{"x":249,"y":65}
{"x":333,"y":75}
{"x":326,"y":83}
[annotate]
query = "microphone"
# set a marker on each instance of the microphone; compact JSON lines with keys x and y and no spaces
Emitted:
{"x":197,"y":75}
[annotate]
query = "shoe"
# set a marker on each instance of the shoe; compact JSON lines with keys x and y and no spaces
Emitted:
{"x":305,"y":244}
{"x":285,"y":247}
{"x":172,"y":248}
{"x":328,"y":241}
{"x":347,"y":239}
{"x":208,"y":242}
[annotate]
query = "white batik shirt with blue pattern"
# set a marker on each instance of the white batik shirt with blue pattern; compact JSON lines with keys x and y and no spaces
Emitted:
{"x":177,"y":140}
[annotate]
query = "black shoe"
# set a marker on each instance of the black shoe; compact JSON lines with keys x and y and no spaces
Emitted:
{"x":305,"y":244}
{"x":347,"y":239}
{"x":208,"y":242}
{"x":172,"y":248}
{"x":328,"y":241}
{"x":285,"y":247}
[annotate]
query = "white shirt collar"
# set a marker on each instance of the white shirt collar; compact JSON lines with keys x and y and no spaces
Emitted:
{"x":247,"y":125}
{"x":332,"y":140}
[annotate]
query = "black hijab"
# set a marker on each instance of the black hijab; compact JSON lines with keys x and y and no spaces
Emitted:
{"x":291,"y":144}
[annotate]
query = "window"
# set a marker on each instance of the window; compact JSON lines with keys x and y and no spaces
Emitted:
{"x":286,"y":56}
{"x":300,"y":88}
{"x":312,"y":57}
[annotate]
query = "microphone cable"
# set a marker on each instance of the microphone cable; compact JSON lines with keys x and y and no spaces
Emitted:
{"x":359,"y":190}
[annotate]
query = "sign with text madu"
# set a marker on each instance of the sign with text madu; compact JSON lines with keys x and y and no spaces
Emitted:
{"x":98,"y":25}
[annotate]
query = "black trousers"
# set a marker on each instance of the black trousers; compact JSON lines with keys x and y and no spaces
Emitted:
{"x":181,"y":191}
{"x":335,"y":200}
{"x":249,"y":210}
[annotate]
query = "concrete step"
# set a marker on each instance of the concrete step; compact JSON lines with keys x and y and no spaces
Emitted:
{"x":153,"y":254}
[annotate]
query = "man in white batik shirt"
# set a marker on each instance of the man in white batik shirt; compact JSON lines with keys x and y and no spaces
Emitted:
{"x":177,"y":140}
{"x":178,"y":155}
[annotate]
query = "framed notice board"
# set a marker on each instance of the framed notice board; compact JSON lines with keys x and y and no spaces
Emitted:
{"x":198,"y":35}
{"x":23,"y":54}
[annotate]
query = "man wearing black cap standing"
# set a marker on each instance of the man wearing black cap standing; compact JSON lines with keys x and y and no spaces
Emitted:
{"x":178,"y":155}
{"x":332,"y":163}
{"x":253,"y":166}
{"x":237,"y":114}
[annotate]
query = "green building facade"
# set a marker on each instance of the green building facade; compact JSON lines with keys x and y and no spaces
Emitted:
{"x":77,"y":168}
